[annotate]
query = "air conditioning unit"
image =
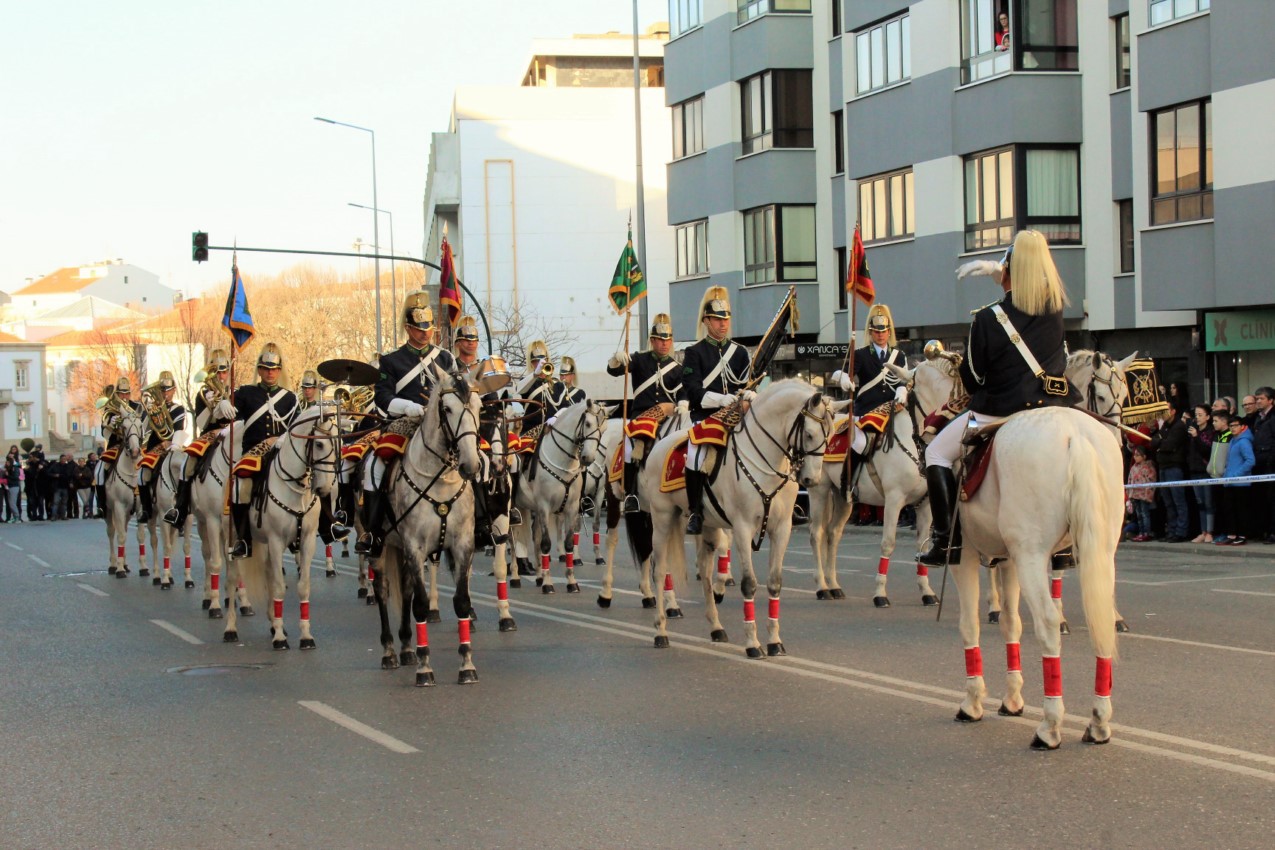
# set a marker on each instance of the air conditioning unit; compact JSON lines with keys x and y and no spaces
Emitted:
{"x":6,"y":397}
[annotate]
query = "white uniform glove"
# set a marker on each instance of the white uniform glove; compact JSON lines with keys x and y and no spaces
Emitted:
{"x":901,"y":395}
{"x":224,"y":410}
{"x":747,"y":395}
{"x":712,"y":400}
{"x":403,"y":407}
{"x":618,"y":360}
{"x":843,"y":380}
{"x":683,"y":407}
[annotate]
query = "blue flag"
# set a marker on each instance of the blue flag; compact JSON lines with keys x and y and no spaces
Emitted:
{"x":238,"y":321}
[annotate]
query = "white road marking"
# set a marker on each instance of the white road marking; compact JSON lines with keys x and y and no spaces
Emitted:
{"x":171,"y":629}
{"x":39,"y":561}
{"x":1197,"y":643}
{"x":91,"y":589}
{"x":1191,"y":580}
{"x":1245,"y":592}
{"x":13,"y":546}
{"x":358,"y":728}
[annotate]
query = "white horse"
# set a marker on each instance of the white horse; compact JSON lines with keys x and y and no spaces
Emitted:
{"x":168,"y":472}
{"x":120,"y":482}
{"x":298,"y":471}
{"x":778,"y":445}
{"x":1054,"y":479}
{"x":432,"y":503}
{"x":551,"y":481}
{"x":593,"y":505}
{"x":208,"y":495}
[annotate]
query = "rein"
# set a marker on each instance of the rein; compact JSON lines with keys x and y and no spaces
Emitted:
{"x":573,"y":453}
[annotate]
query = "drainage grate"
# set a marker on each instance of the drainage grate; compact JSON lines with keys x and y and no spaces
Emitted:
{"x":215,"y":669}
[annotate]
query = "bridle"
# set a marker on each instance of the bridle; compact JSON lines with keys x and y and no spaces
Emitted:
{"x":572,"y":450}
{"x":1116,"y":379}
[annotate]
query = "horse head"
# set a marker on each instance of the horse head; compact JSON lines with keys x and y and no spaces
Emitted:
{"x":131,"y":431}
{"x":814,"y":425}
{"x":1101,"y":381}
{"x":458,"y":409}
{"x":799,"y":413}
{"x":936,"y":382}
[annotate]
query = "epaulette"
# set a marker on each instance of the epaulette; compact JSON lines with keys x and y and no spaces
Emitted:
{"x":985,"y":306}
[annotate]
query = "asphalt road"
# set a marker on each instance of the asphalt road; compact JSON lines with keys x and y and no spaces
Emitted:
{"x":127,"y":725}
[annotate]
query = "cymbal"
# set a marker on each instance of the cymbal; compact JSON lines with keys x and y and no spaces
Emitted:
{"x":353,"y":372}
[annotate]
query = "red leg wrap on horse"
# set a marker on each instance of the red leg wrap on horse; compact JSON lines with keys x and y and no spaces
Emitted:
{"x":773,"y":611}
{"x":278,"y":609}
{"x":502,"y":591}
{"x":167,"y":565}
{"x":1055,"y":588}
{"x":462,"y":628}
{"x":883,"y":566}
{"x":749,"y":615}
{"x":1102,"y":678}
{"x":119,"y":551}
{"x":188,"y":562}
{"x":215,"y":581}
{"x":575,"y":539}
{"x":422,"y":635}
{"x":327,"y":551}
{"x":922,"y":570}
{"x":668,"y":582}
{"x":1052,"y":666}
{"x":723,"y":564}
{"x":973,"y":662}
{"x":305,"y":610}
{"x":141,"y":549}
{"x":1013,"y":658}
{"x":371,"y":574}
{"x":544,"y":563}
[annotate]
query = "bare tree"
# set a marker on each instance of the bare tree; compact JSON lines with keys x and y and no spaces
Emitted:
{"x":514,"y":328}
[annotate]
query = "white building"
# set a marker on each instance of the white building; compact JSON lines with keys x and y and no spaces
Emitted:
{"x":114,"y":281}
{"x":23,"y":392}
{"x":536,"y":183}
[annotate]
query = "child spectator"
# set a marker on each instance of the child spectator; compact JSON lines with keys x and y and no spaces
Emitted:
{"x":1142,"y":498}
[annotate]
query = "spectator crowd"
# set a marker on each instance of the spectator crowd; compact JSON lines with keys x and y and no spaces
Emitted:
{"x":36,"y":489}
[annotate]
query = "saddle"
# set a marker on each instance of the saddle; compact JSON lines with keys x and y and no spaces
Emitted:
{"x":977,"y":459}
{"x":673,"y":475}
{"x":615,"y":470}
{"x":646,"y":424}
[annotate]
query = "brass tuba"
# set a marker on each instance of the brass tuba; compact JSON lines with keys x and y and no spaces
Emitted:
{"x":157,"y":412}
{"x":353,"y":400}
{"x":215,"y":389}
{"x":112,"y":407}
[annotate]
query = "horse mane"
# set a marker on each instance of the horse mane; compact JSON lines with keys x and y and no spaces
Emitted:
{"x":787,"y":386}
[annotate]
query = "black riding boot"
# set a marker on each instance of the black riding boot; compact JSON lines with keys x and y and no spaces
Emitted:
{"x":144,"y":493}
{"x":515,"y":515}
{"x":631,"y":504}
{"x":482,"y":518}
{"x":176,"y":515}
{"x":329,"y":528}
{"x":243,"y":530}
{"x":695,"y":500}
{"x":942,"y":484}
{"x":370,"y":542}
{"x":101,"y":501}
{"x":343,"y":519}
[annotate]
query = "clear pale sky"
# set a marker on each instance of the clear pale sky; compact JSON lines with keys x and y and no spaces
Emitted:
{"x":129,"y":124}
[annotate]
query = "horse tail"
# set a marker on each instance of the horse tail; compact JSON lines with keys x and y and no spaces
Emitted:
{"x":1092,"y":502}
{"x":389,"y":568}
{"x":639,"y":532}
{"x":252,"y":572}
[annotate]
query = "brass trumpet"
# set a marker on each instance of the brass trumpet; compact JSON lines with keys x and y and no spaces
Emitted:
{"x":545,"y":371}
{"x":934,"y":350}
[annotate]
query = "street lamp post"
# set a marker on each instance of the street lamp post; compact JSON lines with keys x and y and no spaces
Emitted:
{"x":376,"y":236}
{"x":393,"y":280}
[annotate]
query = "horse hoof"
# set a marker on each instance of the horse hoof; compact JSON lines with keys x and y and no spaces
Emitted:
{"x":206,"y":604}
{"x":718,"y":597}
{"x":425,"y":680}
{"x":547,"y":588}
{"x":331,"y":573}
{"x":143,"y":572}
{"x":390,"y":662}
{"x":648,"y":601}
{"x":1039,"y":744}
{"x":280,"y":645}
{"x":661,"y":641}
{"x":672,"y":613}
{"x":1088,"y":737}
{"x":573,"y":588}
{"x":507,"y":624}
{"x":775,"y":649}
{"x":1121,"y":626}
{"x":190,"y":585}
{"x":307,"y":643}
{"x":1063,"y":628}
{"x":156,"y":581}
{"x":433,"y":616}
{"x":822,"y":594}
{"x":730,"y":582}
{"x":121,"y":573}
{"x":604,"y":601}
{"x":215,"y":613}
{"x":1003,"y":711}
{"x":838,"y":593}
{"x":881,"y":601}
{"x":405,"y":656}
{"x":362,"y":593}
{"x":166,"y":585}
{"x":515,"y":583}
{"x":540,"y":580}
{"x":562,"y":559}
{"x":929,"y":600}
{"x":962,"y":716}
{"x":467,"y":677}
{"x":753,"y":652}
{"x":599,"y":561}
{"x":230,"y":636}
{"x":246,"y":611}
{"x":111,"y":570}
{"x":719,"y":636}
{"x":993,"y":617}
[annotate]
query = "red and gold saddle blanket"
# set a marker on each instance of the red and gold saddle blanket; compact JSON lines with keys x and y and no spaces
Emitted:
{"x":711,"y":432}
{"x":525,"y":443}
{"x":976,"y":464}
{"x":199,"y":447}
{"x":149,"y":459}
{"x":110,"y":455}
{"x":356,"y":450}
{"x":673,"y":475}
{"x":839,"y":442}
{"x":394,"y":438}
{"x":250,"y":464}
{"x":616,"y":467}
{"x":645,"y":424}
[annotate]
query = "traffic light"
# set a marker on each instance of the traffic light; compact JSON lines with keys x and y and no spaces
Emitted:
{"x":199,"y":246}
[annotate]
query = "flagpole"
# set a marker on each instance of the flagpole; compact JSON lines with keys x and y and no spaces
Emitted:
{"x":854,"y":324}
{"x":641,"y":201}
{"x":230,"y":433}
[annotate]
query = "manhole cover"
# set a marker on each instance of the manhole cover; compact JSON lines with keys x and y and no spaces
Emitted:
{"x":76,"y":573}
{"x":215,"y":669}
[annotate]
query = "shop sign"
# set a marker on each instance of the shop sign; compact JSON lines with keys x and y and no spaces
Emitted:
{"x":1240,"y":330}
{"x":815,"y":350}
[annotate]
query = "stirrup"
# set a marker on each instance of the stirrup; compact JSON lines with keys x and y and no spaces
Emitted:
{"x":695,"y":524}
{"x":365,"y":544}
{"x":339,"y":531}
{"x":515,"y":516}
{"x":241,"y":549}
{"x":631,"y":504}
{"x":587,"y":505}
{"x":172,"y":516}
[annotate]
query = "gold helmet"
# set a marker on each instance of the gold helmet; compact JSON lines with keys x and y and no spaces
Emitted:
{"x":124,"y":386}
{"x":218,"y":361}
{"x":566,"y":366}
{"x":167,"y":381}
{"x":270,"y":357}
{"x":879,"y":319}
{"x":661,"y":326}
{"x":467,"y":329}
{"x":537,"y":351}
{"x":309,"y":379}
{"x":417,"y":312}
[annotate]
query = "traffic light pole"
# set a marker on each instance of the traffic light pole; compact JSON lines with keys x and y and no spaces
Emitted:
{"x":472,"y":300}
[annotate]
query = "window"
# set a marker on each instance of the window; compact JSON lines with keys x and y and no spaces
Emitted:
{"x":779,"y":244}
{"x":749,"y":9}
{"x":22,"y":375}
{"x":778,"y":111}
{"x":884,"y":54}
{"x":887,"y":208}
{"x":836,"y":17}
{"x":998,"y":36}
{"x":24,"y":417}
{"x":1182,"y":163}
{"x":843,"y":301}
{"x":684,"y":15}
{"x":1163,"y":11}
{"x":1010,"y":189}
{"x":1123,"y":66}
{"x":838,"y":142}
{"x":692,"y":249}
{"x":688,"y":127}
{"x":1125,"y":216}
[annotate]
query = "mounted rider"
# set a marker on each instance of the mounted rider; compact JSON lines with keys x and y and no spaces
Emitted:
{"x":715,"y":374}
{"x":465,"y":351}
{"x":407,"y":377}
{"x":122,"y":391}
{"x":311,"y":393}
{"x":536,"y":387}
{"x":1014,"y":361}
{"x":656,"y":378}
{"x":156,"y":443}
{"x":565,"y":391}
{"x":265,"y":409}
{"x":874,"y":386}
{"x":208,"y":426}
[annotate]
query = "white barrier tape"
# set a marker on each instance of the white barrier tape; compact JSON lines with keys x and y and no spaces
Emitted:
{"x":1202,"y":482}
